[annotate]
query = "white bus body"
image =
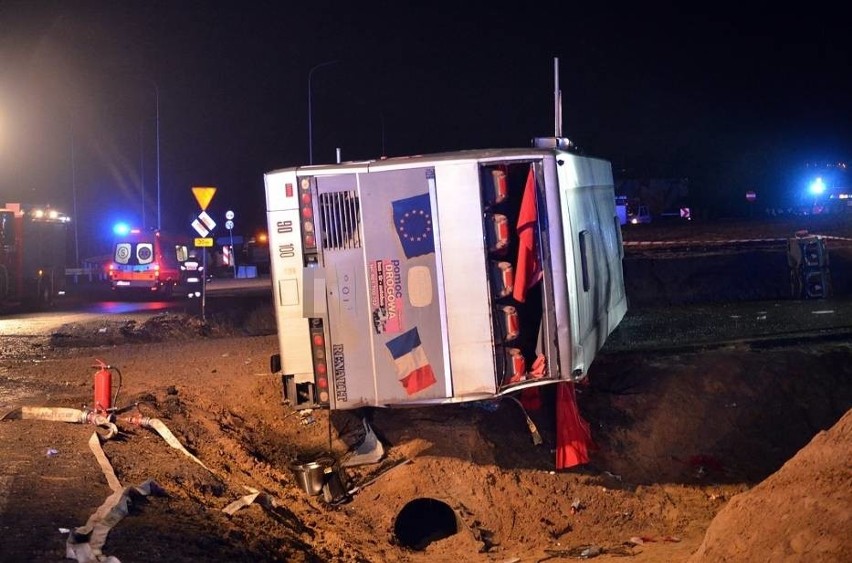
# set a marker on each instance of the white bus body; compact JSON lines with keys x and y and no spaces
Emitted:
{"x":399,"y":282}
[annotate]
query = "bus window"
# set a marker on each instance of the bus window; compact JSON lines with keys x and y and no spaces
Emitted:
{"x":584,"y":258}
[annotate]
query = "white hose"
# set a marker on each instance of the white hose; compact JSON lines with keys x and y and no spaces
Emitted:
{"x":92,"y":536}
{"x":55,"y":414}
{"x":170,"y":439}
{"x":65,"y":414}
{"x":166,"y":434}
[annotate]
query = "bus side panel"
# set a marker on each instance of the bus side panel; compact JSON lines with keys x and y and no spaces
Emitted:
{"x":400,"y":231}
{"x":559,"y":311}
{"x":465,"y":280}
{"x":286,"y":270}
{"x":614,"y":305}
{"x":586,"y":186}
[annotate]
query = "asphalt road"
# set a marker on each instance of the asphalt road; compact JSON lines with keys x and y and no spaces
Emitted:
{"x":677,"y":327}
{"x":88,"y":301}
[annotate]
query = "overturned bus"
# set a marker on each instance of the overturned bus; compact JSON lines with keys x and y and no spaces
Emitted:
{"x":442,"y":278}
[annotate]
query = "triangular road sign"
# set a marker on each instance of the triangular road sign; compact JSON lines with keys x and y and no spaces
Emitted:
{"x":203,"y":196}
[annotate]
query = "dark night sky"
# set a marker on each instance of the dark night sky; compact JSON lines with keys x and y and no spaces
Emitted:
{"x":731,"y":99}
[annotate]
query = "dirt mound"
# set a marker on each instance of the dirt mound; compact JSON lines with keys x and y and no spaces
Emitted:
{"x":800,"y":513}
{"x":106,"y":332}
{"x":165,"y":327}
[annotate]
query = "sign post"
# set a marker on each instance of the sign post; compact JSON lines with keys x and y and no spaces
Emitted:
{"x":229,"y":224}
{"x":203,"y":225}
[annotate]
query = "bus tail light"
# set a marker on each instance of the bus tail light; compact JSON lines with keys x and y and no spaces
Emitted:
{"x":320,"y":361}
{"x":306,"y":214}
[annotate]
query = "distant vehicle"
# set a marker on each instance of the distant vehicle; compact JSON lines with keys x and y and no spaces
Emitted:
{"x":621,"y":209}
{"x":638,"y":215}
{"x":32,"y":255}
{"x":257,"y":252}
{"x":148,"y":261}
{"x":442,"y":278}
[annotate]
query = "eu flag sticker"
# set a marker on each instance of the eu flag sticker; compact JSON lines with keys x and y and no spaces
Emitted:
{"x":412,"y":218}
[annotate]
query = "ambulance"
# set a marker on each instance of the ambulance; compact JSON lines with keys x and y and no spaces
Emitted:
{"x":148,"y":262}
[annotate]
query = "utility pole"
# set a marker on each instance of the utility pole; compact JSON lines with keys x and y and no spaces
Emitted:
{"x":157,"y":102}
{"x":74,"y":196}
{"x":310,"y":111}
{"x":142,"y":169}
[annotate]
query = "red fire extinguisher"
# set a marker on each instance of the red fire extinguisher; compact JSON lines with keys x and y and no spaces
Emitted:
{"x":103,"y":387}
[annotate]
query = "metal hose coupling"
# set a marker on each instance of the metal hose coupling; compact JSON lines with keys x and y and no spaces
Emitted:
{"x":104,"y":422}
{"x":137,"y":420}
{"x":99,"y":417}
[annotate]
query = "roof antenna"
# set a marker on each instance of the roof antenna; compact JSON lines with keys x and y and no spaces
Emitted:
{"x":557,"y":101}
{"x":557,"y":141}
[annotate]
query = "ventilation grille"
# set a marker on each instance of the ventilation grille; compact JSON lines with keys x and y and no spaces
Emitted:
{"x":340,"y":219}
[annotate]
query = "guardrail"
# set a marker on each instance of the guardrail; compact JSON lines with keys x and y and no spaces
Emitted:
{"x":84,"y":274}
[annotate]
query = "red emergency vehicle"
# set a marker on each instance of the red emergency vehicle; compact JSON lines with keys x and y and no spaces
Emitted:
{"x":148,"y":261}
{"x":32,"y":255}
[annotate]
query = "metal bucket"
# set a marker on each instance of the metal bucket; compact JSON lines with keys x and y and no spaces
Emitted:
{"x":334,"y":490}
{"x":312,"y":475}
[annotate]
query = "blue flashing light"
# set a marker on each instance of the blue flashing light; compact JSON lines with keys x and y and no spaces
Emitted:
{"x":121,"y":229}
{"x":817,"y":187}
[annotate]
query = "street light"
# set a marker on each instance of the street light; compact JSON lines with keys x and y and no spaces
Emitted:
{"x":157,"y":102}
{"x":142,"y":164}
{"x":74,"y":196}
{"x":382,"y":118}
{"x":310,"y":115}
{"x":142,"y":169}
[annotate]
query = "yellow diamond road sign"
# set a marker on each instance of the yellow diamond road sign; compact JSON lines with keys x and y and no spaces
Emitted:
{"x":203,"y":196}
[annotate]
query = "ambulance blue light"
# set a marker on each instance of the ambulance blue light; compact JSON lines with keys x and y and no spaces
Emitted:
{"x":121,"y":229}
{"x":817,"y":187}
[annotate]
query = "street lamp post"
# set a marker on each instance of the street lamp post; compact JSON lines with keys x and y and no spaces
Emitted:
{"x":157,"y":102}
{"x":310,"y":114}
{"x":382,"y":118}
{"x":74,"y":196}
{"x":142,"y":169}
